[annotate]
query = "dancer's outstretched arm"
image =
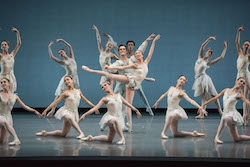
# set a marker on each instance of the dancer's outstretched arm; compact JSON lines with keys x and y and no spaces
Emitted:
{"x":161,"y":98}
{"x":151,"y":51}
{"x":98,"y":37}
{"x":132,"y":107}
{"x":88,"y":102}
{"x":52,"y":56}
{"x":54,"y":103}
{"x":71,"y":53}
{"x":221,"y":56}
{"x":99,"y":105}
{"x":215,"y":98}
{"x":14,"y":52}
{"x":243,"y":98}
{"x":238,"y":40}
{"x":144,"y":45}
{"x":19,"y":101}
{"x":114,"y":57}
{"x":200,"y":55}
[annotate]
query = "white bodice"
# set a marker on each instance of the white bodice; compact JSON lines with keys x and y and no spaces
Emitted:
{"x":72,"y":101}
{"x":104,"y":59}
{"x":229,"y":102}
{"x":173,"y":99}
{"x":200,"y":67}
{"x":70,"y":66}
{"x":242,"y":64}
{"x":6,"y":106}
{"x":7,"y":65}
{"x":140,"y":73}
{"x":114,"y":105}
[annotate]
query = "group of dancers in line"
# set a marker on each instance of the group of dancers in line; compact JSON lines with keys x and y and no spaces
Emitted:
{"x":127,"y":74}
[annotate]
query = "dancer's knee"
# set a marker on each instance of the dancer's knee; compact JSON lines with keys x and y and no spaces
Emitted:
{"x":3,"y":123}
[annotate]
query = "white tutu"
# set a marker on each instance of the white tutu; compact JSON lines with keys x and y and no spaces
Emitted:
{"x":235,"y":115}
{"x":7,"y":117}
{"x":107,"y":116}
{"x":67,"y":111}
{"x":179,"y":111}
{"x":203,"y":84}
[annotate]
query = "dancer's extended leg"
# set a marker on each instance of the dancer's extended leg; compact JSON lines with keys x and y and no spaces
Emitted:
{"x":129,"y":97}
{"x":203,"y":101}
{"x":145,"y":101}
{"x":5,"y":124}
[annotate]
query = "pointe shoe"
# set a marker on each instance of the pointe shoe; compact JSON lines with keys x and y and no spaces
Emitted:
{"x":80,"y":136}
{"x":164,"y":136}
{"x":195,"y":133}
{"x":88,"y":138}
{"x":200,"y":117}
{"x":121,"y":142}
{"x":15,"y":143}
{"x":42,"y":133}
{"x":85,"y":68}
{"x":129,"y":127}
{"x":217,"y":141}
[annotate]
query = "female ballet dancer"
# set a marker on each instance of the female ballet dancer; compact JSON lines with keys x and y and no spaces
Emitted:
{"x":132,"y":80}
{"x":7,"y":101}
{"x":7,"y":60}
{"x":113,"y":118}
{"x":203,"y":85}
{"x":105,"y":56}
{"x":69,"y":112}
{"x":69,"y":64}
{"x":242,"y":67}
{"x":176,"y":112}
{"x":230,"y":115}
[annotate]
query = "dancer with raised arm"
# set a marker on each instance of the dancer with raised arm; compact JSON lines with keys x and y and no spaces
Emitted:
{"x":69,"y":112}
{"x":231,"y":117}
{"x":7,"y":60}
{"x":175,"y":112}
{"x":7,"y":101}
{"x":69,"y":64}
{"x":113,"y":118}
{"x":105,"y":55}
{"x":203,"y":85}
{"x":242,"y":67}
{"x":132,"y":80}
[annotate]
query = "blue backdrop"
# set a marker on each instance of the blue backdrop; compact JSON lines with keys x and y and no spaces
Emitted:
{"x":183,"y":25}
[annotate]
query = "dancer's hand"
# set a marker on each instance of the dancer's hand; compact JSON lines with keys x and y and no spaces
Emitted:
{"x":225,"y":44}
{"x":59,"y":40}
{"x":94,"y":28}
{"x":82,"y":117}
{"x":138,"y":113}
{"x":97,"y":112}
{"x":155,"y":105}
{"x":14,"y":29}
{"x":241,"y":28}
{"x":157,"y":37}
{"x":150,"y":37}
{"x":44,"y":113}
{"x":213,"y":38}
{"x":38,"y":114}
{"x":105,"y":34}
{"x":51,"y":43}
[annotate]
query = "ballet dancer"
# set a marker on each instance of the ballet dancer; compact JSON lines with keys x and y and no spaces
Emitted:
{"x":7,"y":60}
{"x":69,"y":112}
{"x":113,"y":118}
{"x":132,"y":80}
{"x":231,"y":117}
{"x":242,"y":67}
{"x":175,"y":112}
{"x":69,"y":64}
{"x":203,"y":85}
{"x":7,"y":101}
{"x":105,"y":55}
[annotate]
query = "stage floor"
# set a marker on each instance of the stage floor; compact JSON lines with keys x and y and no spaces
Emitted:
{"x":144,"y":141}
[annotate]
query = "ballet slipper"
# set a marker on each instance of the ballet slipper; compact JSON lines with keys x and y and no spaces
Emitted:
{"x":86,"y":68}
{"x":121,"y":142}
{"x":15,"y":143}
{"x":163,"y":136}
{"x":88,"y":138}
{"x":217,"y":140}
{"x":129,"y":127}
{"x":195,"y":133}
{"x":200,"y":117}
{"x":42,"y":133}
{"x":80,"y":136}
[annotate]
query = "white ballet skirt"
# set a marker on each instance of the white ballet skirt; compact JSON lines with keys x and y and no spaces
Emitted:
{"x":173,"y":105}
{"x":136,"y":77}
{"x":70,"y":107}
{"x":203,"y":83}
{"x":71,"y":69}
{"x":104,"y":60}
{"x":114,"y":106}
{"x":229,"y":103}
{"x":242,"y":67}
{"x":7,"y":71}
{"x":5,"y":109}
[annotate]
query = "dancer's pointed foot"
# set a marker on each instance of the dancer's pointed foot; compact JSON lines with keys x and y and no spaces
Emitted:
{"x":163,"y":136}
{"x":200,"y":117}
{"x":129,"y":127}
{"x":217,"y":140}
{"x":80,"y":136}
{"x":195,"y":133}
{"x":88,"y":138}
{"x":42,"y":133}
{"x":122,"y":141}
{"x":86,"y":69}
{"x":15,"y":142}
